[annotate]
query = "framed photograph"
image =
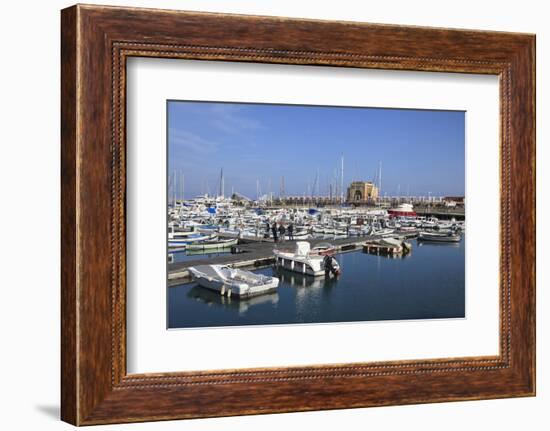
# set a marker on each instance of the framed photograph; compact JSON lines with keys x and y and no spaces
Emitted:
{"x":264,"y":214}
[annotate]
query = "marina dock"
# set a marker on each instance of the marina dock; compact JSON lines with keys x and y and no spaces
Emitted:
{"x":255,"y":254}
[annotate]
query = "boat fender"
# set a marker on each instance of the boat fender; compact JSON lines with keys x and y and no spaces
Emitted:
{"x":229,"y":293}
{"x":222,"y":291}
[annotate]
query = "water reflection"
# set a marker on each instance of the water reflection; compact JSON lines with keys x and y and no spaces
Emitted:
{"x":295,"y":279}
{"x":398,"y":256}
{"x":439,"y":244}
{"x":309,"y":292}
{"x":241,"y":305}
{"x":427,"y":283}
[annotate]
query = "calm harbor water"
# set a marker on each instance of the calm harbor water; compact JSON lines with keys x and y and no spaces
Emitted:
{"x":428,"y":283}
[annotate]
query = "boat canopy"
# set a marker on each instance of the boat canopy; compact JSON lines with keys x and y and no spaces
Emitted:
{"x":302,"y":248}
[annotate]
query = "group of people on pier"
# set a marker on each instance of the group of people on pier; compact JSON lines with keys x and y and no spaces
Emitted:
{"x":279,"y":231}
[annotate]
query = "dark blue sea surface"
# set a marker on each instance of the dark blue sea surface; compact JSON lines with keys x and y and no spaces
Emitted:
{"x":429,"y":283}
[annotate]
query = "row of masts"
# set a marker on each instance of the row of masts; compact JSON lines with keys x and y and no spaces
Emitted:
{"x":176,"y":182}
{"x":335,"y":186}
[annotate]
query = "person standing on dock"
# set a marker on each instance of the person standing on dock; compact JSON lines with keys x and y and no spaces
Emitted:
{"x":267,"y":228}
{"x":282,"y":232}
{"x":291,"y":232}
{"x":274,"y":231}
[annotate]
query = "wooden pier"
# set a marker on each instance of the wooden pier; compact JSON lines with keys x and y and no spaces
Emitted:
{"x":255,"y":254}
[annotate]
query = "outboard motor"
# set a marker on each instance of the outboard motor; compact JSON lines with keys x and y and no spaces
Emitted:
{"x":331,"y":266}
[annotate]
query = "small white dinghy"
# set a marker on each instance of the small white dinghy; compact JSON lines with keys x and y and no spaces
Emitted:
{"x":233,"y":282}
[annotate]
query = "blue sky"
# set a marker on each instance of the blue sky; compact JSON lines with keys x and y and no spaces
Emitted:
{"x":421,"y":151}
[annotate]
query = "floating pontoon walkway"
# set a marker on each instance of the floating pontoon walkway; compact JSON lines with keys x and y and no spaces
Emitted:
{"x":255,"y":254}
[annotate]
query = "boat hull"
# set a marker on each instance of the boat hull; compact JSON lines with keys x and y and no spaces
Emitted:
{"x":209,"y":277}
{"x":190,"y":240}
{"x":212,"y":246}
{"x":301,"y":266}
{"x":450,"y":238}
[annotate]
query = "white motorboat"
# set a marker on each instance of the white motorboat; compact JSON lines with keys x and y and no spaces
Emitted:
{"x":391,"y":242}
{"x":303,"y":261}
{"x":233,"y":282}
{"x":298,"y":235}
{"x":402,"y":210}
{"x":328,"y":231}
{"x":175,"y":234}
{"x":384,"y":246}
{"x":408,"y":229}
{"x":438,"y":237}
{"x":444,"y":225}
{"x":382,"y":231}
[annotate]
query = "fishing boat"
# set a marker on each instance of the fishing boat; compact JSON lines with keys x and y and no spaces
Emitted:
{"x":430,"y":223}
{"x":233,"y":282}
{"x":438,"y":237}
{"x":184,"y":242}
{"x":301,"y":260}
{"x":213,"y":244}
{"x":173,"y":233}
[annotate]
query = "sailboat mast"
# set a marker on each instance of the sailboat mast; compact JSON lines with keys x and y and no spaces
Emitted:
{"x":380,"y":180}
{"x":182,"y":187}
{"x":342,"y":181}
{"x":174,"y":188}
{"x":221,"y":183}
{"x":318,"y":181}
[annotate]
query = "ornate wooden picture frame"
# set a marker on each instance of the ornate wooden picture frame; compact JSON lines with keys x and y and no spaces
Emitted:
{"x":96,"y":41}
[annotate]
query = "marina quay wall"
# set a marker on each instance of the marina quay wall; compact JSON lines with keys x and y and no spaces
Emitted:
{"x":436,"y":210}
{"x":385,"y":201}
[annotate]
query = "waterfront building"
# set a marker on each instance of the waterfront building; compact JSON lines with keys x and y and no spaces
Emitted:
{"x":362,"y":192}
